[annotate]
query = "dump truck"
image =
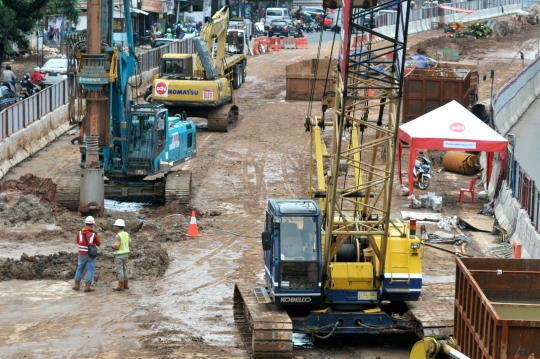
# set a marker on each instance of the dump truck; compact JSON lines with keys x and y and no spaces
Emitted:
{"x":202,"y":84}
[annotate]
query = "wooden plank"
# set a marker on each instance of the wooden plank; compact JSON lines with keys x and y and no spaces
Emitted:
{"x":264,"y":355}
{"x":421,"y":216}
{"x":272,"y":326}
{"x":272,"y":335}
{"x":272,"y":346}
{"x":479,"y":222}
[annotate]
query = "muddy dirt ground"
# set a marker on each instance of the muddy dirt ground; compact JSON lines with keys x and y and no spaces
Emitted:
{"x":180,"y":301}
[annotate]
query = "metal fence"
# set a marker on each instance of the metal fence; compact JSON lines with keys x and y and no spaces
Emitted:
{"x":23,"y":113}
{"x":523,"y":188}
{"x":433,"y":12}
{"x":150,"y":59}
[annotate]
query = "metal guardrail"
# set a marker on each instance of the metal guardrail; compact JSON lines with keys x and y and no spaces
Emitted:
{"x":23,"y":113}
{"x":388,"y":19}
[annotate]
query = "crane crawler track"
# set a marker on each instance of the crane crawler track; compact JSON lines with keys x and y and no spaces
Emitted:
{"x":178,"y":187}
{"x":266,"y":330}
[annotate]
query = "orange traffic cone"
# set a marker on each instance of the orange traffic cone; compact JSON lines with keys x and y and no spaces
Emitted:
{"x":193,"y":230}
{"x":370,"y":92}
{"x":276,"y":46}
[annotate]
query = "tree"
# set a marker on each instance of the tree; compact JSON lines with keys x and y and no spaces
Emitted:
{"x":68,"y":9}
{"x":18,"y":19}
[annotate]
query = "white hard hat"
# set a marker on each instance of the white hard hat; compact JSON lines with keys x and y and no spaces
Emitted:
{"x":89,"y":220}
{"x":36,"y":68}
{"x":120,"y":223}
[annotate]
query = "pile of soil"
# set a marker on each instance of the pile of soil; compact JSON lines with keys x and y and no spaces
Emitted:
{"x":21,"y":210}
{"x":463,"y":46}
{"x":29,"y":184}
{"x":172,"y":228}
{"x":147,"y":260}
{"x":174,"y":207}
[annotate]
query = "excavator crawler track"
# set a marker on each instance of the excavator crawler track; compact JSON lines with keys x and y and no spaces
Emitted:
{"x":68,"y":190}
{"x":266,"y":330}
{"x":223,"y":118}
{"x":178,"y":187}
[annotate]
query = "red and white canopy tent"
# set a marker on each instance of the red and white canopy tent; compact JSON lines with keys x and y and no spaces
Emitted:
{"x":449,"y":128}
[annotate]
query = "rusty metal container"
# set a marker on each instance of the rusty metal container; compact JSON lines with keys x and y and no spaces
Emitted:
{"x":300,"y":76}
{"x":428,"y":89}
{"x":497,"y":308}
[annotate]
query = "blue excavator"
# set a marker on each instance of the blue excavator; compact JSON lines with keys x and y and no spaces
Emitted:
{"x":130,"y":150}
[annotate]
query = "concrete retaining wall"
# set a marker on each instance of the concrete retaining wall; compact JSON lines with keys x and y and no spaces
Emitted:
{"x":28,"y":141}
{"x":517,"y":224}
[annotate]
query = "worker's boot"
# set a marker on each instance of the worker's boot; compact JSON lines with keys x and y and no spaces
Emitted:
{"x":77,"y":285}
{"x":88,"y":288}
{"x":120,"y":287}
{"x":126,"y":284}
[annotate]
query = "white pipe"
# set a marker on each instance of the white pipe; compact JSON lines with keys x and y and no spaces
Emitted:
{"x":457,"y":355}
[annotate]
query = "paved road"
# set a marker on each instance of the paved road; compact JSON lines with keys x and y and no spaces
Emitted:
{"x":527,"y":132}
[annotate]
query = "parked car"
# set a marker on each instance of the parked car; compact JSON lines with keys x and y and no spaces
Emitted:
{"x":163,"y":41}
{"x":282,"y":28}
{"x":276,"y":13}
{"x":54,"y":71}
{"x":7,"y":97}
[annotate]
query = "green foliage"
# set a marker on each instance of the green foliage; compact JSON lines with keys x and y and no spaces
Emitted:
{"x":476,"y":30}
{"x":19,"y":18}
{"x":68,"y":8}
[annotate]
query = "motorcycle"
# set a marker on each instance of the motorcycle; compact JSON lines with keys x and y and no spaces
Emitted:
{"x":24,"y":93}
{"x":28,"y":89}
{"x":142,"y":40}
{"x":307,"y":28}
{"x":422,"y":173}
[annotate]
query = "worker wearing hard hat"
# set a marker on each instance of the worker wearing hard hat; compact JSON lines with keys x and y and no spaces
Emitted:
{"x":121,"y":246}
{"x":87,"y":239}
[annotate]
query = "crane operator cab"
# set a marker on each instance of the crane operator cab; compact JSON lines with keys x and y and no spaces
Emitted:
{"x":292,"y":253}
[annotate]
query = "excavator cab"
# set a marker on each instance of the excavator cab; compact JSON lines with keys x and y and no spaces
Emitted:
{"x":153,"y":139}
{"x":178,"y":67}
{"x":292,"y":252}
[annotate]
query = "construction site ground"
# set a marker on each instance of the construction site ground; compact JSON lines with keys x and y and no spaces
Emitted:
{"x":180,"y":301}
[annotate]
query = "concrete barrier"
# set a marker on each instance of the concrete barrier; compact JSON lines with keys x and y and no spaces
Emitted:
{"x":36,"y":136}
{"x":516,"y":223}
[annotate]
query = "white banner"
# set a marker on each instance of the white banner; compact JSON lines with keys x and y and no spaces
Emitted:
{"x":460,"y":144}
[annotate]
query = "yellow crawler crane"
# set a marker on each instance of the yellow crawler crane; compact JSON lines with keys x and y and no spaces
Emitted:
{"x":337,"y":263}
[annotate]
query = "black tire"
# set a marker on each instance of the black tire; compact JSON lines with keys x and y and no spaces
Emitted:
{"x":243,"y":74}
{"x":423,"y":183}
{"x":237,"y":80}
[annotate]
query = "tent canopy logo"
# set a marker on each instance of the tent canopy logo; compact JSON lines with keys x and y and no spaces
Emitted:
{"x":457,"y":127}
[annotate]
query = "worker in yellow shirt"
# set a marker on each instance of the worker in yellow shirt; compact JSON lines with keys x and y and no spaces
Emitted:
{"x":121,"y":246}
